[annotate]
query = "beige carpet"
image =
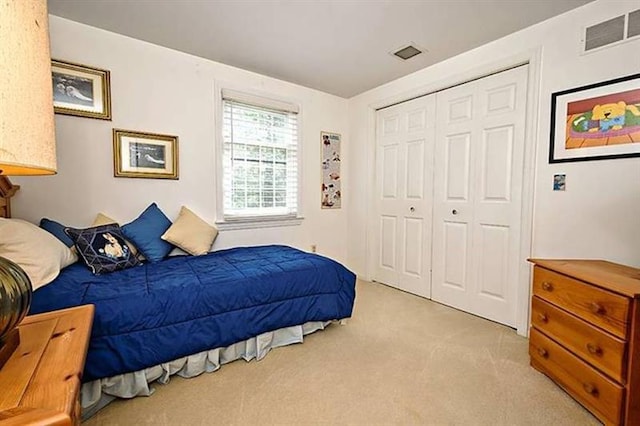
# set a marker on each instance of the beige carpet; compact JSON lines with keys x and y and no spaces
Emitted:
{"x":400,"y":360}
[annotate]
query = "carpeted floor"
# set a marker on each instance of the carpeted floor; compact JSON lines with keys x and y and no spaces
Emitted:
{"x":400,"y":360}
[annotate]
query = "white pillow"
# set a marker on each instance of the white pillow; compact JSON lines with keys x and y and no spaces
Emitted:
{"x":36,"y":251}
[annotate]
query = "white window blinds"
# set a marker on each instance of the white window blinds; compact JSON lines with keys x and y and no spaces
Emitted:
{"x":260,"y":157}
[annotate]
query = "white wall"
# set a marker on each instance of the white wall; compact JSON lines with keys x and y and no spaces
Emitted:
{"x":599,"y":214}
{"x":158,"y":90}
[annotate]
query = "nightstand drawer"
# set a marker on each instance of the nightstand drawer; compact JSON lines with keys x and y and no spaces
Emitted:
{"x":601,"y":308}
{"x":600,"y":395}
{"x":600,"y":349}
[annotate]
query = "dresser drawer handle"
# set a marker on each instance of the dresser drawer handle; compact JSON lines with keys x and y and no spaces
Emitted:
{"x":594,"y":349}
{"x":543,"y":317}
{"x":596,"y":308}
{"x":547,"y":286}
{"x":590,"y":389}
{"x":543,"y":352}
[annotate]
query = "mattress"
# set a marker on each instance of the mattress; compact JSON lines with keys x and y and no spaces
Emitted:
{"x":183,"y":305}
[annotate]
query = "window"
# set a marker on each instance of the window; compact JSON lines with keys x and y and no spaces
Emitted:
{"x":260,"y":158}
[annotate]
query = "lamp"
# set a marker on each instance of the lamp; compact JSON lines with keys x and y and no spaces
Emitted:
{"x":27,"y":139}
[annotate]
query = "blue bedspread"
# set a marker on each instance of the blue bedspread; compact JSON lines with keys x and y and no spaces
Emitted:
{"x":161,"y":311}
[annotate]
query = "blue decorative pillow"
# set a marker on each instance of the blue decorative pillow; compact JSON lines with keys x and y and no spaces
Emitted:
{"x":145,"y":233}
{"x":57,"y":229}
{"x":103,"y":248}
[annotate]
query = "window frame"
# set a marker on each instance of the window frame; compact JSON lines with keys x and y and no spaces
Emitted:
{"x":259,"y":221}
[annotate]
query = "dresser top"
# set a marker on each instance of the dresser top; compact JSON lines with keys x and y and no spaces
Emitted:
{"x":618,"y":278}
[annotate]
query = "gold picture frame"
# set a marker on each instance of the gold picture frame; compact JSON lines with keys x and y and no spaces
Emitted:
{"x":144,"y":155}
{"x":80,"y":90}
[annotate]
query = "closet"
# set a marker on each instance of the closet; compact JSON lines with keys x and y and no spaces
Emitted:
{"x":448,"y":194}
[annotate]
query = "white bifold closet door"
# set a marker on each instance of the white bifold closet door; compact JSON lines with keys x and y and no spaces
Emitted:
{"x":479,"y":157}
{"x":403,"y":195}
{"x":448,"y":195}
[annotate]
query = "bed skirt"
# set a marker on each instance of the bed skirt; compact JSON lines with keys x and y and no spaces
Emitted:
{"x":97,"y":394}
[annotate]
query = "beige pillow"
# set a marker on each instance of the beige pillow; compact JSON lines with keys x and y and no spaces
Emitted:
{"x":39,"y":253}
{"x":190,"y":233}
{"x":102,"y":219}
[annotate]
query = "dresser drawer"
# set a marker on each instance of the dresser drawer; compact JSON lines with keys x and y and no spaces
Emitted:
{"x":600,"y":349}
{"x":601,"y":308}
{"x":599,"y":394}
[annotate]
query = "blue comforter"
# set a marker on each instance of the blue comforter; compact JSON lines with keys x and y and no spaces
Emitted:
{"x":161,"y":311}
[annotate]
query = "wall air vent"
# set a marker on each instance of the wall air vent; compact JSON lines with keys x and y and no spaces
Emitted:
{"x":604,"y":33}
{"x":633,"y":27}
{"x":407,"y":52}
{"x":612,"y":31}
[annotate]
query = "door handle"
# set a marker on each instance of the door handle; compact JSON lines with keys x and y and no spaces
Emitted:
{"x":412,"y":209}
{"x":454,"y":211}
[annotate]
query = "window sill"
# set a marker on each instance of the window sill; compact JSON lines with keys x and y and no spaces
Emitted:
{"x":261,"y":222}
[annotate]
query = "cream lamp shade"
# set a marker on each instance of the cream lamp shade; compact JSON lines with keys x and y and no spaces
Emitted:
{"x":27,"y":136}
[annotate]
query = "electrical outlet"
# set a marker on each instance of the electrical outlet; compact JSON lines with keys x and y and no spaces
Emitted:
{"x":314,"y":248}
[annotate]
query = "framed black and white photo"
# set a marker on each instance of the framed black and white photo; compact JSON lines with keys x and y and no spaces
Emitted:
{"x":144,"y":155}
{"x":80,"y":90}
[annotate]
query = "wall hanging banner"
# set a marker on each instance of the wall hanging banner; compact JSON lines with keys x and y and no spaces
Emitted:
{"x":331,"y":191}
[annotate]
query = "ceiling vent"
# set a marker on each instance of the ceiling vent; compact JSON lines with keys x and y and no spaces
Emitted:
{"x":407,"y":52}
{"x":612,"y":31}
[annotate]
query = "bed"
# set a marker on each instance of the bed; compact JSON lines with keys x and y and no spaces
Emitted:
{"x":153,"y":320}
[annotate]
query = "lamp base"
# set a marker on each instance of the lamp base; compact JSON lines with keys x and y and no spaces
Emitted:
{"x":8,"y":344}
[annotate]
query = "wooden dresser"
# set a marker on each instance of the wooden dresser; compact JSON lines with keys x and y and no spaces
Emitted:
{"x":585,"y":334}
{"x":40,"y":383}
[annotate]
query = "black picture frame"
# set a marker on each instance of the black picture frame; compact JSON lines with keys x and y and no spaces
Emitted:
{"x":571,"y":105}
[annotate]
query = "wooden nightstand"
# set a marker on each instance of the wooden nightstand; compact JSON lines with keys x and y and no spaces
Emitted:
{"x":41,"y":381}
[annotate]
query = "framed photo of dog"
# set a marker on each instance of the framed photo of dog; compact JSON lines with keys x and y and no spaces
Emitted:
{"x":600,"y":121}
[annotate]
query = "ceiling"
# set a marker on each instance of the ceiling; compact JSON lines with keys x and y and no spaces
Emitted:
{"x":337,"y":46}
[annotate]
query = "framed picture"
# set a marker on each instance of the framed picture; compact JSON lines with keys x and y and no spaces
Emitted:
{"x":596,"y":122}
{"x":80,"y":90}
{"x":331,"y":195}
{"x":144,"y":155}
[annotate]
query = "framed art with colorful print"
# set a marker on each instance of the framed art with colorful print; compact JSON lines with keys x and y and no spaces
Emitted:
{"x":596,"y":122}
